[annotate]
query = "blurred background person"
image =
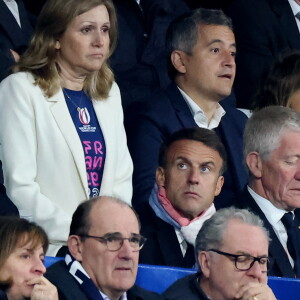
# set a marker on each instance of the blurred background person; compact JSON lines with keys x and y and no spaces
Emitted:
{"x":282,"y":84}
{"x":16,"y":29}
{"x":264,"y":29}
{"x":23,"y":246}
{"x":62,"y":135}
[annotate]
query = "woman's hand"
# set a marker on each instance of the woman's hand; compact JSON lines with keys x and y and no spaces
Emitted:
{"x":43,"y":289}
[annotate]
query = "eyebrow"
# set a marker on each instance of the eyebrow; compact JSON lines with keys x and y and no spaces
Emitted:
{"x":93,"y":23}
{"x":209,"y":162}
{"x":119,"y":233}
{"x":218,"y":41}
{"x":248,"y":254}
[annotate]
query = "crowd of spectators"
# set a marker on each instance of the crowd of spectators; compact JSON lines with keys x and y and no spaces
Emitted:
{"x":140,"y":102}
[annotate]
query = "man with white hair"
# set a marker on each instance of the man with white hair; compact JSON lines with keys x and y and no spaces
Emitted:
{"x":272,"y":155}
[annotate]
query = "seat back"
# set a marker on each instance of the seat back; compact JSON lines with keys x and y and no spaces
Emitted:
{"x":159,"y":278}
{"x":285,"y":288}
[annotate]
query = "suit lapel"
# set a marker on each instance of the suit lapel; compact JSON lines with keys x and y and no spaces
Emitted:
{"x":10,"y":25}
{"x":27,"y":29}
{"x":59,"y":111}
{"x":182,"y":110}
{"x":276,"y":250}
{"x":287,"y":21}
{"x":167,"y":240}
{"x":227,"y":131}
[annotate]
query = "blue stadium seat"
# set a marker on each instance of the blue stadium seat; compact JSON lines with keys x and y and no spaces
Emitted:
{"x":159,"y":278}
{"x":285,"y":288}
{"x":49,"y":260}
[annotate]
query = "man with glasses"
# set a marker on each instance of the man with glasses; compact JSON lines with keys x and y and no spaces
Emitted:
{"x":232,"y":252}
{"x":103,"y":253}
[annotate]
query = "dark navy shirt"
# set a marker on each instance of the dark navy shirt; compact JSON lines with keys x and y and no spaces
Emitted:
{"x":85,"y":120}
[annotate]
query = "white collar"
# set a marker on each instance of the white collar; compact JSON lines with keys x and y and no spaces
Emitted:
{"x":123,"y":297}
{"x":199,"y":115}
{"x":294,"y":6}
{"x":272,"y":213}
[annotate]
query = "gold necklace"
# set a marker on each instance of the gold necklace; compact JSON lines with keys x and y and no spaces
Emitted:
{"x":68,"y":97}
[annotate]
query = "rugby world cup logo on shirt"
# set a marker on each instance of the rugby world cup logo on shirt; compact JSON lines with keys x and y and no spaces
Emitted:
{"x":84,"y":116}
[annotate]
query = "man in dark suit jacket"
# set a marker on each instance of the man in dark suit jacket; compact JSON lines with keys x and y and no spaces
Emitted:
{"x":232,"y":252}
{"x":103,"y":245}
{"x":202,"y":49}
{"x":12,"y":36}
{"x":139,"y":61}
{"x":272,"y":154}
{"x":263,"y":30}
{"x":188,"y":178}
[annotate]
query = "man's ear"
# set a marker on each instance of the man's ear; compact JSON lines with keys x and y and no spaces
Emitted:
{"x":219,"y":185}
{"x":75,"y":247}
{"x":204,"y":260}
{"x":178,"y":61}
{"x":254,"y":164}
{"x":57,"y":45}
{"x":160,"y":176}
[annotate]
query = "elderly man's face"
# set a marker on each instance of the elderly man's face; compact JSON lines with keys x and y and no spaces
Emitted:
{"x":221,"y":279}
{"x":113,"y":272}
{"x":192,"y":176}
{"x":280,"y":174}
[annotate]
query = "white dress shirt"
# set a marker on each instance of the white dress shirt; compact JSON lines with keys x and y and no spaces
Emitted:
{"x":182,"y":242}
{"x":199,"y":115}
{"x":273,"y":215}
{"x":13,"y":7}
{"x":295,"y":8}
{"x":123,"y":297}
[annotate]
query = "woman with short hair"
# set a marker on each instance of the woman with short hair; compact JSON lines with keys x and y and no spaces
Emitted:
{"x":22,"y":251}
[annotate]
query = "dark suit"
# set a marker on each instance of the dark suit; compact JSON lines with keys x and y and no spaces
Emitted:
{"x":162,"y":246}
{"x":3,"y":295}
{"x":7,"y":207}
{"x":263,"y":29}
{"x":12,"y":36}
{"x":185,"y":288}
{"x":69,"y":289}
{"x":165,"y":113}
{"x":281,"y":266}
{"x":139,"y":61}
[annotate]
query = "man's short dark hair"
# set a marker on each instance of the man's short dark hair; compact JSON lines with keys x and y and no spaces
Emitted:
{"x":182,"y":33}
{"x":205,"y":136}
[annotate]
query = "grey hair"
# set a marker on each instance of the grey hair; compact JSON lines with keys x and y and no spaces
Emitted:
{"x":266,"y":127}
{"x":211,"y":234}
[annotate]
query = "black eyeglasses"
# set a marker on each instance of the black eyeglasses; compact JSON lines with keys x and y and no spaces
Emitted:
{"x":114,"y":241}
{"x":245,"y":262}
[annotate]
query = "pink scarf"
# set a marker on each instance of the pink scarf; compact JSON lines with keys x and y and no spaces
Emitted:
{"x":169,"y":208}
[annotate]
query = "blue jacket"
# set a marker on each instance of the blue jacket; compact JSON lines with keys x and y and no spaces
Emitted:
{"x":165,"y":113}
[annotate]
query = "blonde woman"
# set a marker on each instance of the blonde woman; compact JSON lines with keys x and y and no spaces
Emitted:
{"x":61,"y":121}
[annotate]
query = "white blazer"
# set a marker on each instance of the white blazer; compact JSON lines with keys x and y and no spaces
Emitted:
{"x":43,"y":159}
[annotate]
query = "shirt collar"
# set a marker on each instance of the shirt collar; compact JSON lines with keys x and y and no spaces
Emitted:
{"x":294,"y":6}
{"x":123,"y":297}
{"x":272,"y":213}
{"x":199,"y":115}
